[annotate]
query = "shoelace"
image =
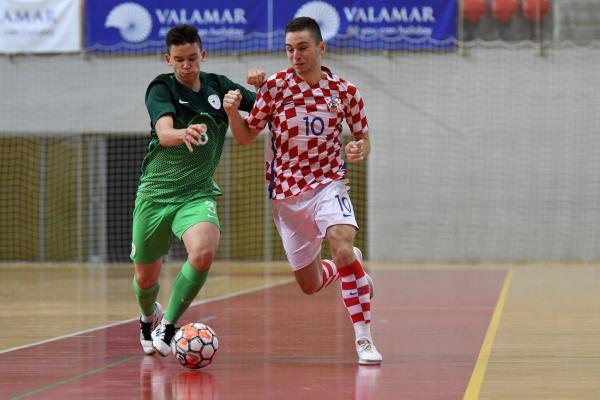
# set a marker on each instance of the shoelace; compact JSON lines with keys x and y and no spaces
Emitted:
{"x":146,"y":330}
{"x":169,"y":333}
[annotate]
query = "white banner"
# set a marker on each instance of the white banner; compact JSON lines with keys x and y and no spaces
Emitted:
{"x":40,"y":26}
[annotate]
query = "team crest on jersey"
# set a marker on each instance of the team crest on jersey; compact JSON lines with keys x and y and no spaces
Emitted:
{"x":214,"y":101}
{"x":334,"y":104}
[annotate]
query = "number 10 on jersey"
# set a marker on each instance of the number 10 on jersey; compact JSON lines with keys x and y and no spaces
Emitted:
{"x":316,"y":126}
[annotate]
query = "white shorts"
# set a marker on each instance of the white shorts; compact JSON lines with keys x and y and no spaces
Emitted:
{"x":302,"y":220}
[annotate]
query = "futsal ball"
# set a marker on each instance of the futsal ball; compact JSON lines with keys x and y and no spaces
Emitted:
{"x":195,"y":345}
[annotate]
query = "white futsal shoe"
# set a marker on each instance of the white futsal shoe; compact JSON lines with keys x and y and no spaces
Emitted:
{"x":162,"y":337}
{"x":146,"y":329}
{"x":359,"y":256}
{"x":367,"y":352}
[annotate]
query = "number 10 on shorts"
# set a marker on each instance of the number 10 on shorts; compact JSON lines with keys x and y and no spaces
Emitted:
{"x":345,"y":205}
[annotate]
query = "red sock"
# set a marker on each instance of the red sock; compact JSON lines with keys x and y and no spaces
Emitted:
{"x":355,"y":293}
{"x":330,"y":273}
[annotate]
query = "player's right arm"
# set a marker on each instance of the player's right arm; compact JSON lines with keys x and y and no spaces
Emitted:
{"x":242,"y":132}
{"x":169,"y":136}
{"x":161,"y":109}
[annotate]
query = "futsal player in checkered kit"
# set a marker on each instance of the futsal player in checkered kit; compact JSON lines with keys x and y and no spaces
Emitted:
{"x":305,"y":106}
{"x":177,"y":190}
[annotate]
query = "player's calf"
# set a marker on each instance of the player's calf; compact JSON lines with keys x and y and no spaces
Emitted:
{"x":359,"y":256}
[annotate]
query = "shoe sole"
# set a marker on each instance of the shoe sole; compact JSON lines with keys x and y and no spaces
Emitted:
{"x":150,"y":351}
{"x":369,"y":362}
{"x":160,"y":353}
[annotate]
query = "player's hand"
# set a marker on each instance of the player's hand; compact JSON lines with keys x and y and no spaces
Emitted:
{"x":195,"y":135}
{"x":232,"y":100}
{"x":358,"y":150}
{"x":255,"y":77}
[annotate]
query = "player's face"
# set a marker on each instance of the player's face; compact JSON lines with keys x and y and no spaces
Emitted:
{"x":185,"y":60}
{"x":304,"y":52}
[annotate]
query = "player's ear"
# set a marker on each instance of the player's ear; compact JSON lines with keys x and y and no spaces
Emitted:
{"x":322,"y":48}
{"x":203,"y":55}
{"x":167,"y":58}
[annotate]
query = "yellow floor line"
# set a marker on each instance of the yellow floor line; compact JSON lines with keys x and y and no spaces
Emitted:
{"x":472,"y":392}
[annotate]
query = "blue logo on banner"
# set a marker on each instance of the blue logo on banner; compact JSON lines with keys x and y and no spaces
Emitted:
{"x":325,"y":14}
{"x":133,"y":21}
{"x":244,"y":25}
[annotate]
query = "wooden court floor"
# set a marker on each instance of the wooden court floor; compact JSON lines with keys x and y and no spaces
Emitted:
{"x":487,"y":331}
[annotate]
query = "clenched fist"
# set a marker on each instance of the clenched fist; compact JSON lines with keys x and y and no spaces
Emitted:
{"x":231,"y":101}
{"x":255,"y":77}
{"x":358,"y":150}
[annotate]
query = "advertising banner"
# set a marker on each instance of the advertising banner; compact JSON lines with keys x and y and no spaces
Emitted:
{"x":377,"y":24}
{"x":127,"y":25}
{"x":40,"y":26}
{"x":246,"y":25}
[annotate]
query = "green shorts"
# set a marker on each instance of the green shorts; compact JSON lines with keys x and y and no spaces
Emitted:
{"x":153,"y":223}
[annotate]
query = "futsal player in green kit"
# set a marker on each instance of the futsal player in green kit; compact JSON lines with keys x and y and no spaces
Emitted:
{"x":177,"y":190}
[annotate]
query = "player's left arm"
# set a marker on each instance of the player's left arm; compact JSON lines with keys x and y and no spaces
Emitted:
{"x":360,"y":148}
{"x":248,"y":96}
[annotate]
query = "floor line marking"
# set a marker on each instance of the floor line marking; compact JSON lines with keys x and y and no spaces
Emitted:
{"x":71,"y":379}
{"x":196,"y":303}
{"x":116,"y":363}
{"x":474,"y":386}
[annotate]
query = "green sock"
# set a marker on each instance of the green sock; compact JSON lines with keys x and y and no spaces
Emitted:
{"x":185,"y":288}
{"x":146,"y":297}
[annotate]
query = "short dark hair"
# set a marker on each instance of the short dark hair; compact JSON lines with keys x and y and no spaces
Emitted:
{"x":305,"y":24}
{"x":183,"y":34}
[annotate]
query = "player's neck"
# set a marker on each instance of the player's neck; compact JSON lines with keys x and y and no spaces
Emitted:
{"x":313,"y":77}
{"x":195,"y":86}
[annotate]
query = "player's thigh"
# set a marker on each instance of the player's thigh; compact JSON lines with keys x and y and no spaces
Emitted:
{"x":151,"y":231}
{"x":309,"y":277}
{"x":294,"y":219}
{"x":335,"y":208}
{"x":202,"y":240}
{"x":194,"y":212}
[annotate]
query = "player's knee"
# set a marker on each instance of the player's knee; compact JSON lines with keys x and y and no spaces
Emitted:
{"x":201,"y":259}
{"x":343,"y":255}
{"x":309,"y":287}
{"x":145,"y":281}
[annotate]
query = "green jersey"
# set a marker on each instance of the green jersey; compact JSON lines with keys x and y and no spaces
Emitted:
{"x":173,"y":174}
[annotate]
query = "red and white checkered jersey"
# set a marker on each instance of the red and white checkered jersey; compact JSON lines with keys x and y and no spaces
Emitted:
{"x":305,"y":129}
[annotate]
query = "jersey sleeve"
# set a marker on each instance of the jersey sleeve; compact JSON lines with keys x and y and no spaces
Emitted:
{"x":248,"y":96}
{"x":159,"y":103}
{"x":263,"y":107}
{"x":356,"y":117}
